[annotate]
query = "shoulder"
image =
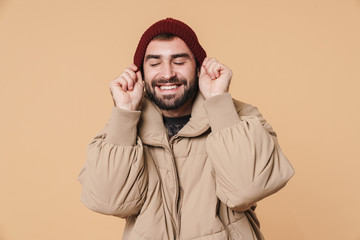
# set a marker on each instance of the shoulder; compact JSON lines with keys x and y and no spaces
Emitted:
{"x":247,"y":110}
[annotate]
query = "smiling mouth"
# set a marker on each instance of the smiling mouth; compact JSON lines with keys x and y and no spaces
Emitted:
{"x":169,"y":87}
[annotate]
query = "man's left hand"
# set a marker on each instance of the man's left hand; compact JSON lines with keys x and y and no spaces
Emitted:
{"x":214,"y":78}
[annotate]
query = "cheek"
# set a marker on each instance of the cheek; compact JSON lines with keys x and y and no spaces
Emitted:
{"x":190,"y":75}
{"x":190,"y":72}
{"x":148,"y":75}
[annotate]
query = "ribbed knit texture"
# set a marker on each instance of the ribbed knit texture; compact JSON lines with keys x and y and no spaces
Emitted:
{"x":170,"y":26}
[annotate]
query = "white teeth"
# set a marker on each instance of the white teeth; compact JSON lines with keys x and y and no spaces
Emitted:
{"x":168,"y":87}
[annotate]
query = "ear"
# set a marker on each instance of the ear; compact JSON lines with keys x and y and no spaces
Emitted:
{"x":142,"y":72}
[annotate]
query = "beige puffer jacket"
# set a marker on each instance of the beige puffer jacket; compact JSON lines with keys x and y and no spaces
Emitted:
{"x":202,"y":184}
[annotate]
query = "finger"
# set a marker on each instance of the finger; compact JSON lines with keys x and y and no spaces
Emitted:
{"x":129,"y":79}
{"x":210,"y":69}
{"x":209,"y":66}
{"x":208,"y":63}
{"x":114,"y":83}
{"x":208,"y":60}
{"x":205,"y":72}
{"x":205,"y":61}
{"x":139,"y":77}
{"x":215,"y":67}
{"x":123,"y":83}
{"x":133,"y":67}
{"x":131,"y":73}
{"x":139,"y":85}
{"x":118,"y":83}
{"x":202,"y":72}
{"x":130,"y":76}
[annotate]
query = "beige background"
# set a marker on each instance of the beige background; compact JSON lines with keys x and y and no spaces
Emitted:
{"x":298,"y":61}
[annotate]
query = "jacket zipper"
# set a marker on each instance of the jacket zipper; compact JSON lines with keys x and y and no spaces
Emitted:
{"x":177,"y":184}
{"x":178,"y":187}
{"x":178,"y":196}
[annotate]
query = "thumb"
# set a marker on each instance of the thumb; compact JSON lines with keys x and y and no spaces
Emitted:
{"x":202,"y":71}
{"x":139,"y":77}
{"x":139,"y":80}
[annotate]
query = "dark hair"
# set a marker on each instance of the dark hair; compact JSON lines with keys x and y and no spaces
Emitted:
{"x":164,"y":36}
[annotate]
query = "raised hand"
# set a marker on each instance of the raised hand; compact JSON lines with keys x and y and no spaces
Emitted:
{"x":127,"y":90}
{"x":214,"y":78}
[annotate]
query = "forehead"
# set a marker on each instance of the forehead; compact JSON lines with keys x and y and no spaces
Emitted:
{"x":167,"y":47}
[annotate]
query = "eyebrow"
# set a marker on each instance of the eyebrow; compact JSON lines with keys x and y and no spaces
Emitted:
{"x":178,"y":55}
{"x":150,"y":56}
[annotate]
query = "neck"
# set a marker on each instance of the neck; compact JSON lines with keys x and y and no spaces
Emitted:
{"x":181,"y":111}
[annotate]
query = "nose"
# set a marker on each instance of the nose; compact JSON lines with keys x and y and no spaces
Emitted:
{"x":167,"y":71}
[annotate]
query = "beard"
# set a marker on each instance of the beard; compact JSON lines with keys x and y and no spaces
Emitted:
{"x":171,"y":101}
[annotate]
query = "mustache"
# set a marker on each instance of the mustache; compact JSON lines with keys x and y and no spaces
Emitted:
{"x":173,"y":80}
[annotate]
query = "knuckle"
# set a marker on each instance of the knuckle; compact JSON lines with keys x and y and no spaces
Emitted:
{"x":112,"y":83}
{"x":133,"y":75}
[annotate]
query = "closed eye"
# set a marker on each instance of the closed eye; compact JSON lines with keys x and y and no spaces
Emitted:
{"x":179,"y":63}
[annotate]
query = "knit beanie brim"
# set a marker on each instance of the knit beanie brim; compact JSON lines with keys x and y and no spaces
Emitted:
{"x":169,"y":26}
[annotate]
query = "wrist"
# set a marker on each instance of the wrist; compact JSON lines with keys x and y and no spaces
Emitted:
{"x":221,"y":111}
{"x":127,"y":107}
{"x":212,"y":94}
{"x":123,"y":127}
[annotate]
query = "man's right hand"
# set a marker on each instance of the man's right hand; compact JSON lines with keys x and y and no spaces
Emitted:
{"x":127,"y":90}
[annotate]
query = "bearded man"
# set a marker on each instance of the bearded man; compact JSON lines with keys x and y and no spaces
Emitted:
{"x":179,"y":158}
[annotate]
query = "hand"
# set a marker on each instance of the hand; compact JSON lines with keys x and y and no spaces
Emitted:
{"x":214,"y":78}
{"x":127,"y":90}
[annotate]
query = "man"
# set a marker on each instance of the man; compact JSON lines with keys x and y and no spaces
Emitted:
{"x":182,"y":160}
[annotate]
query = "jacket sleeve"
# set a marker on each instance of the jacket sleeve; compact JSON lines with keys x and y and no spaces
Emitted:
{"x":247,"y":161}
{"x":114,"y":177}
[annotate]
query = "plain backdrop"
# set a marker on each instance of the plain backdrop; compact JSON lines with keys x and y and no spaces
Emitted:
{"x":298,"y":61}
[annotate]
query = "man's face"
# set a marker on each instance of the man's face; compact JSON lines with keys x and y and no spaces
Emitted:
{"x":170,"y":73}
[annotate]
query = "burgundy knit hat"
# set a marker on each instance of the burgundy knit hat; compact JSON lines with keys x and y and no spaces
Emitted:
{"x":171,"y":26}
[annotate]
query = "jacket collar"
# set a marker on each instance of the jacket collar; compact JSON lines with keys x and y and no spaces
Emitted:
{"x":151,"y":127}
